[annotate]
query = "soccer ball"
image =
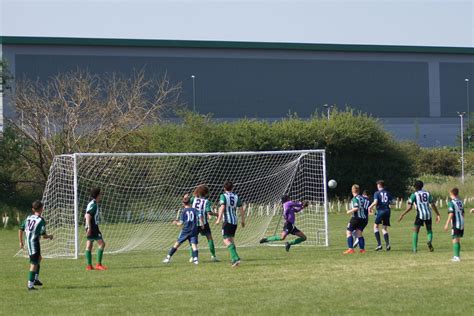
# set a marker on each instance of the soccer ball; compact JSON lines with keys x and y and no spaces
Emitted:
{"x":332,"y":184}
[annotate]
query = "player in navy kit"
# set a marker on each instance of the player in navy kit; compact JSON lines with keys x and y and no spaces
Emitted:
{"x":190,"y":219}
{"x":382,"y":201}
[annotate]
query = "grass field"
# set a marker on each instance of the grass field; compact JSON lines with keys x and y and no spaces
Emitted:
{"x":307,"y":280}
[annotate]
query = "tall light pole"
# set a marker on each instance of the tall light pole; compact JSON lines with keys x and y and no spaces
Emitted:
{"x":193,"y":77}
{"x":468,"y":112}
{"x":461,"y":115}
{"x":328,"y":108}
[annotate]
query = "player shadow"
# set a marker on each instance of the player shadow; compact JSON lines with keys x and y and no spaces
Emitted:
{"x":73,"y":287}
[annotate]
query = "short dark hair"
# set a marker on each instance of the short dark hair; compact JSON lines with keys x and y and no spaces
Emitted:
{"x":454,"y":191}
{"x":186,"y":199}
{"x":418,"y":184}
{"x":365,"y":192}
{"x":228,"y":185}
{"x":37,"y":205}
{"x":285,"y":198}
{"x":381,"y":183}
{"x":95,"y":192}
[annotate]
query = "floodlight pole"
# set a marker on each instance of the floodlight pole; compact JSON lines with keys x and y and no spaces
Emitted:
{"x":468,"y":112}
{"x":461,"y":115}
{"x":328,"y":108}
{"x":193,"y":77}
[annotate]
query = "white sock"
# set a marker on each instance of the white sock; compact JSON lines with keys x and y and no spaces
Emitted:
{"x":30,"y":284}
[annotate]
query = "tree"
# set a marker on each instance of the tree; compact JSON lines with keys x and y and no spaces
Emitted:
{"x":79,"y":111}
{"x":5,"y":76}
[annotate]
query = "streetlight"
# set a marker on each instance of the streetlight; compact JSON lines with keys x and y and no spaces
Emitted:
{"x":468,"y":110}
{"x":461,"y":115}
{"x":328,"y":108}
{"x":193,"y":77}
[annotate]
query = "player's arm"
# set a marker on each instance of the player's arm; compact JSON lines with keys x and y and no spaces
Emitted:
{"x":242,"y":215}
{"x":43,"y":232}
{"x":371,"y":206}
{"x":20,"y":235}
{"x":222,"y":202}
{"x":179,"y":219}
{"x":88,"y":218}
{"x":450,"y":217}
{"x":472,"y":210}
{"x":355,"y":208}
{"x":438,"y":215}
{"x":409,"y":207}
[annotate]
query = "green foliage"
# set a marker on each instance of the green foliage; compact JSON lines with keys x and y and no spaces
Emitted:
{"x":5,"y":76}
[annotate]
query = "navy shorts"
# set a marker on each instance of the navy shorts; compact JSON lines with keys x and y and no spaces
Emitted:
{"x":421,"y":222}
{"x":383,"y":217}
{"x":228,"y":230}
{"x":191,"y":237}
{"x":357,"y":224}
{"x":457,"y":233}
{"x":290,"y":228}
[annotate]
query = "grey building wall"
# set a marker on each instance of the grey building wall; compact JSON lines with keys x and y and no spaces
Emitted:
{"x":416,"y":95}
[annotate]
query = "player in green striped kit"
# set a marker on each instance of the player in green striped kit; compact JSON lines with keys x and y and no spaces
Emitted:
{"x":229,"y":204}
{"x":423,"y":202}
{"x":34,"y":227}
{"x":456,"y":219}
{"x":200,"y":202}
{"x":92,"y":218}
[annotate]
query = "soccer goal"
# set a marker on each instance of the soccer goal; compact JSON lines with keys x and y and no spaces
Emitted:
{"x":142,"y":195}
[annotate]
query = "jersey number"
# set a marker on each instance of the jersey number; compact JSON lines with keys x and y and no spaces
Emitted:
{"x":460,"y":206}
{"x":200,"y":204}
{"x":424,"y":198}
{"x":384,"y":197}
{"x":190,"y":216}
{"x":232,"y":200}
{"x":31,"y":225}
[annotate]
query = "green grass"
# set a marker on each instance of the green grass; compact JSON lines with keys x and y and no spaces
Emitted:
{"x":307,"y":280}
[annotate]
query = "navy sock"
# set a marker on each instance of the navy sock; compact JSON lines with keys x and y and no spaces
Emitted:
{"x":195,"y":253}
{"x":377,"y":236}
{"x":350,"y":242}
{"x":172,"y":251}
{"x":385,"y":236}
{"x":361,"y":243}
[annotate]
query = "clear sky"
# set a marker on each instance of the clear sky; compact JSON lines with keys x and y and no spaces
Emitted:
{"x":381,"y":22}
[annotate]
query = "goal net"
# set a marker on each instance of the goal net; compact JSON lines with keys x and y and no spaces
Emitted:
{"x":142,"y":195}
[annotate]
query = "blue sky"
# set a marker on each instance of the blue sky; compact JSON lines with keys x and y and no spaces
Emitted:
{"x":382,"y":22}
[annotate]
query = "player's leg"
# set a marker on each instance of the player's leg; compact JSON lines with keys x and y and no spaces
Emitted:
{"x":175,"y":247}
{"x":456,"y":235}
{"x":228,"y":232}
{"x":212,"y":247}
{"x":301,"y":238}
{"x":429,"y":233}
{"x":378,"y":221}
{"x":194,"y":246}
{"x":286,"y":228}
{"x":350,"y":239}
{"x":416,"y":231}
{"x":37,"y":281}
{"x":100,"y":253}
{"x":356,"y":239}
{"x":386,"y":223}
{"x":361,"y":239}
{"x":88,"y":253}
{"x":34,"y":261}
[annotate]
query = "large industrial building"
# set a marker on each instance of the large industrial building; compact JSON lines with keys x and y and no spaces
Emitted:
{"x":415,"y":90}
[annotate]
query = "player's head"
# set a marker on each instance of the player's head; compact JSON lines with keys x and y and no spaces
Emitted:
{"x":201,"y":191}
{"x":37,"y":206}
{"x":454,"y":193}
{"x":228,"y":186}
{"x":365,"y":193}
{"x":380,"y":184}
{"x":186,"y":200}
{"x":418,"y":185}
{"x":95,"y":194}
{"x":285,"y":198}
{"x":355,"y":189}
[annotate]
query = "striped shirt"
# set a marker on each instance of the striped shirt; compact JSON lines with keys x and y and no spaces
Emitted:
{"x":358,"y":203}
{"x":34,"y":227}
{"x":203,"y":206}
{"x":422,"y":200}
{"x":456,"y":207}
{"x":231,"y":202}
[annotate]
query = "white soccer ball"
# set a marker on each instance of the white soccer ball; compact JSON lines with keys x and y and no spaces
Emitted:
{"x":332,"y":184}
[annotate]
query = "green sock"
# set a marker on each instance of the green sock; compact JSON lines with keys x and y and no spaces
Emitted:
{"x":37,"y":272}
{"x":415,"y":241}
{"x":457,"y":249}
{"x":430,"y":235}
{"x":31,"y":276}
{"x":212,"y":249}
{"x":190,"y":252}
{"x":88,"y":257}
{"x":297,"y":241}
{"x":233,"y":252}
{"x":100,"y":252}
{"x":274,"y":238}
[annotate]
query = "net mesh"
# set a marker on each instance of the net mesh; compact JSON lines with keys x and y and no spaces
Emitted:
{"x":142,"y":196}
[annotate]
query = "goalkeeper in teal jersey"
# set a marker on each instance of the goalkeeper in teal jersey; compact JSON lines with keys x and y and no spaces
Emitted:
{"x":229,"y":204}
{"x":200,"y":202}
{"x":92,"y":219}
{"x":423,"y":202}
{"x":34,"y":227}
{"x":456,"y":219}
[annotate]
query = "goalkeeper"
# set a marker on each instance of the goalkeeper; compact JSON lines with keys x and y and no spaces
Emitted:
{"x":290,"y":208}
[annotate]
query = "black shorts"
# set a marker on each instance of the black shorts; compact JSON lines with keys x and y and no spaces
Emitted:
{"x":94,"y":233}
{"x":383,"y":217}
{"x":421,"y":222}
{"x":357,"y":224}
{"x":206,"y":231}
{"x":290,"y":228}
{"x":457,"y":233}
{"x":228,"y":230}
{"x":35,"y":258}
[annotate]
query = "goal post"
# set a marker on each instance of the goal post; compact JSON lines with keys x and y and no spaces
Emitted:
{"x":142,"y":193}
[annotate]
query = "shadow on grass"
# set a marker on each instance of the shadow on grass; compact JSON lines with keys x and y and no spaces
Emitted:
{"x":88,"y":286}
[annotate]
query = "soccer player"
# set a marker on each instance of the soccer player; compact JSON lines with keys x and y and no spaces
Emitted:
{"x":229,"y":204}
{"x":422,"y":200}
{"x":456,"y":219}
{"x":289,"y":210}
{"x":93,"y":233}
{"x":34,"y":227}
{"x":358,"y":221}
{"x":200,"y":202}
{"x":366,"y":199}
{"x":382,"y":201}
{"x":189,"y":219}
